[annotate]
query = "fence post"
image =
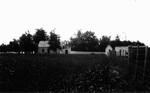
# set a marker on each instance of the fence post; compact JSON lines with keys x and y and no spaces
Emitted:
{"x":131,"y":70}
{"x":145,"y":60}
{"x":129,"y":51}
{"x":137,"y":56}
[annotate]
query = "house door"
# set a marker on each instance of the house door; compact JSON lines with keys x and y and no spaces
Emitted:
{"x":66,"y":51}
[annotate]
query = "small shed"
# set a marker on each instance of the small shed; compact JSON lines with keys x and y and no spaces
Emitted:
{"x":66,"y":50}
{"x":108,"y":49}
{"x":43,"y":47}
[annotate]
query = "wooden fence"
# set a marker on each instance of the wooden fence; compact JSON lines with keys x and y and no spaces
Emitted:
{"x":138,"y":62}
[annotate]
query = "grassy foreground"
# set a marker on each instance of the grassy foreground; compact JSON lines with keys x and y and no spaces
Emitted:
{"x":55,"y":73}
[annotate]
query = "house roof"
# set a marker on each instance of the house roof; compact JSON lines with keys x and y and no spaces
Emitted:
{"x":43,"y":44}
{"x":113,"y":46}
{"x":109,"y":45}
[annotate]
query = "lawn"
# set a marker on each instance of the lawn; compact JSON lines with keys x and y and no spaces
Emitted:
{"x":84,"y":73}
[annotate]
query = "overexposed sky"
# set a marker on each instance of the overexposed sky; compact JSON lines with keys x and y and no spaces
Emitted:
{"x":128,"y":18}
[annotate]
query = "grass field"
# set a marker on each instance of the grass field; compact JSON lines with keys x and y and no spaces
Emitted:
{"x":56,"y":73}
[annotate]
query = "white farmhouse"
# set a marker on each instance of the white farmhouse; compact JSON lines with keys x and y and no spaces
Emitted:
{"x":122,"y":50}
{"x":108,"y":49}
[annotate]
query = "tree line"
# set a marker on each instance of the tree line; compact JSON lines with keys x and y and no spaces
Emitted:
{"x":28,"y":43}
{"x":87,"y":41}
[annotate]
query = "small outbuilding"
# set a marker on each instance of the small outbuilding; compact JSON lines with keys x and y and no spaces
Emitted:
{"x":66,"y":50}
{"x":108,"y":49}
{"x":43,"y":47}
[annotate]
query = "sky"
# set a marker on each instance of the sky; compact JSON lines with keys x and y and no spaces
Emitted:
{"x":128,"y":18}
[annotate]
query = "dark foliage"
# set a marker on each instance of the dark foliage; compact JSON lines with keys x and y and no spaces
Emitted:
{"x":84,"y":41}
{"x":3,"y":48}
{"x":14,"y":46}
{"x":26,"y":43}
{"x":104,"y":41}
{"x":81,"y":42}
{"x":117,"y":42}
{"x":58,"y":73}
{"x":54,"y":41}
{"x":40,"y":35}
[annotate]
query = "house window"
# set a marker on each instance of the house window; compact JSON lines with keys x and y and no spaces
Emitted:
{"x":42,"y":50}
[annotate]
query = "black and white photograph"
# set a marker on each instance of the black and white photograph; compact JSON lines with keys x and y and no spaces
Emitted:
{"x":74,"y":46}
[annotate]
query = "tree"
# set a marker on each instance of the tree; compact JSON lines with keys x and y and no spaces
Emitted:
{"x":118,"y":42}
{"x":139,"y":43}
{"x":54,"y":41}
{"x":65,"y":43}
{"x":84,"y":41}
{"x":76,"y":41}
{"x":90,"y":41}
{"x":14,"y":46}
{"x":26,"y":43}
{"x":104,"y":41}
{"x":117,"y":38}
{"x":3,"y":48}
{"x":40,"y":35}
